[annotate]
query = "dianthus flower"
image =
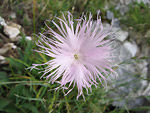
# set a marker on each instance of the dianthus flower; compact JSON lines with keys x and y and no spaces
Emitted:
{"x":80,"y":54}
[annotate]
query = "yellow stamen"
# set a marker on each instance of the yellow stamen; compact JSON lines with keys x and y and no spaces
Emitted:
{"x":76,"y":56}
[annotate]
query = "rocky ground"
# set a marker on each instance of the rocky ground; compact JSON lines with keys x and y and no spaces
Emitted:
{"x":10,"y":34}
{"x":134,"y":53}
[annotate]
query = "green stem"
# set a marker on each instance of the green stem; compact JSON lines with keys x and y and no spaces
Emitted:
{"x":34,"y":7}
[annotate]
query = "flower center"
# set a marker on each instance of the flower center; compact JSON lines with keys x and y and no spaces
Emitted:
{"x":76,"y":56}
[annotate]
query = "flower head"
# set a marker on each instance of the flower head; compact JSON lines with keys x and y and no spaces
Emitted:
{"x":80,"y":54}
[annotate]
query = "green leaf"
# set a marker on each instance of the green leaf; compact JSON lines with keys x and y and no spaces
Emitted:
{"x":30,"y":107}
{"x":16,"y":90}
{"x":3,"y":76}
{"x":3,"y":103}
{"x":11,"y":108}
{"x":141,"y":108}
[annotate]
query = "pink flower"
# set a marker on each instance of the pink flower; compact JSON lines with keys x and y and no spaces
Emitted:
{"x":80,"y":55}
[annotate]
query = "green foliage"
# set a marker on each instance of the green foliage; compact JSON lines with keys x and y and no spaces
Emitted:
{"x":3,"y":103}
{"x":138,"y":17}
{"x":35,"y":12}
{"x":3,"y":76}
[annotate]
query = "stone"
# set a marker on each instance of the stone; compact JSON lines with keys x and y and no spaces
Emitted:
{"x":147,"y":35}
{"x":106,"y":6}
{"x":121,"y":35}
{"x":121,"y":52}
{"x":2,"y":22}
{"x":131,"y":82}
{"x":106,"y":26}
{"x":131,"y":47}
{"x":13,"y":15}
{"x":28,"y":38}
{"x":12,"y":32}
{"x":110,"y":15}
{"x":124,"y":9}
{"x":7,"y":47}
{"x":17,"y":38}
{"x":127,"y":2}
{"x":2,"y":59}
{"x":116,"y":23}
{"x":122,"y":1}
{"x":15,"y":25}
{"x":144,"y":1}
{"x":117,"y":7}
{"x":129,"y":86}
{"x":118,"y":32}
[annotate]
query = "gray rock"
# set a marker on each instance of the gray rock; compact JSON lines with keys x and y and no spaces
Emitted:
{"x":28,"y":38}
{"x":17,"y":38}
{"x":2,"y":59}
{"x":147,"y":35}
{"x":116,"y":23}
{"x":144,"y":1}
{"x":7,"y":47}
{"x":124,"y":9}
{"x":121,"y":35}
{"x":127,"y":2}
{"x":117,"y":7}
{"x":121,"y":52}
{"x":129,"y":87}
{"x":13,"y":15}
{"x":123,"y":5}
{"x":132,"y":48}
{"x":122,"y":1}
{"x":2,"y":22}
{"x":12,"y":32}
{"x":110,"y":15}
